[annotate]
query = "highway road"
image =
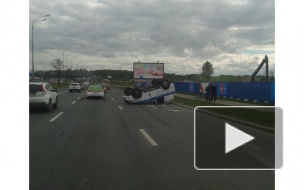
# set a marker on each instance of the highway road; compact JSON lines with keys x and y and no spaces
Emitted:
{"x":107,"y":144}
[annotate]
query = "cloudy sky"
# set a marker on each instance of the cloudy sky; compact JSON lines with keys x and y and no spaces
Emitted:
{"x":234,"y":35}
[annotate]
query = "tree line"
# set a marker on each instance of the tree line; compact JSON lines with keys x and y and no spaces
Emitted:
{"x":62,"y":71}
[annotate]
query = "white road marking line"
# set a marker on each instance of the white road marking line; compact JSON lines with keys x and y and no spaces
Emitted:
{"x":118,"y":98}
{"x":120,"y":107}
{"x":112,"y":98}
{"x":62,"y":92}
{"x":73,"y":102}
{"x":78,"y":98}
{"x":153,"y":107}
{"x":147,"y":136}
{"x":54,"y":118}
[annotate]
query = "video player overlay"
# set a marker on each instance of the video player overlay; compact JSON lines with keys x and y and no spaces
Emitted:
{"x":237,"y":137}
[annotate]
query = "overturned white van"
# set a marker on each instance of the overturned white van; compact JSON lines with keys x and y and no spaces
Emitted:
{"x":159,"y":91}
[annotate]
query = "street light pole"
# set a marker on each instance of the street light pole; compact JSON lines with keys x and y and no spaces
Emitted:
{"x":34,"y":21}
{"x":72,"y":60}
{"x":66,"y":48}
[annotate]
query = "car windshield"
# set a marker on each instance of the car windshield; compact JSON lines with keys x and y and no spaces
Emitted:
{"x":74,"y":84}
{"x":35,"y":88}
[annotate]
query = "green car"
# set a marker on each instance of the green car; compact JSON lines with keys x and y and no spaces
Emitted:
{"x":95,"y":91}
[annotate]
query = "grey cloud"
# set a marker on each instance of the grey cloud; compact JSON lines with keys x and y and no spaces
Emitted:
{"x":150,"y":28}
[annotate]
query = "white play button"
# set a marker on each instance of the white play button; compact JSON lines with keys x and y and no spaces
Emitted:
{"x":235,"y":138}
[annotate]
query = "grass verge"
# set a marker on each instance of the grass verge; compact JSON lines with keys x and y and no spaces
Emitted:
{"x":263,"y":118}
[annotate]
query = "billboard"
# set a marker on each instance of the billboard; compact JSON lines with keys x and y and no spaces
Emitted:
{"x":148,"y":70}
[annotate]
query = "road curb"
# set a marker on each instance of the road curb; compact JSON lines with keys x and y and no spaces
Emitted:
{"x":259,"y":127}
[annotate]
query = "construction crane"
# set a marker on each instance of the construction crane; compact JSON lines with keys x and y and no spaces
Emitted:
{"x":265,"y":60}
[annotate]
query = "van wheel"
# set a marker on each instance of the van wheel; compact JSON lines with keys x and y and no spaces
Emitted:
{"x":165,"y":84}
{"x":136,"y":93}
{"x":128,"y":91}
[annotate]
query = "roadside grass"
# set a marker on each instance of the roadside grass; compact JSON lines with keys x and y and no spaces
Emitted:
{"x":231,"y":100}
{"x":193,"y":103}
{"x":263,"y":118}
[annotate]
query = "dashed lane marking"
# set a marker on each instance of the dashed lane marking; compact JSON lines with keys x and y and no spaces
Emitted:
{"x":54,"y":118}
{"x":147,"y":136}
{"x":120,"y":107}
{"x":153,"y":107}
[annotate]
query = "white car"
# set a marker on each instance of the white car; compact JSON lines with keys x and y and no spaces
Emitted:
{"x":159,"y":91}
{"x":74,"y":87}
{"x":95,"y":91}
{"x":43,"y":95}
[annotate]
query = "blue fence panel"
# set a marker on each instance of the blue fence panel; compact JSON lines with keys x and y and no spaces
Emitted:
{"x":181,"y":87}
{"x":272,"y":92}
{"x":260,"y":91}
{"x":221,"y":89}
{"x":187,"y":87}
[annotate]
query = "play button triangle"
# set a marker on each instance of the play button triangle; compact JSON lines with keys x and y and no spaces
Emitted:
{"x":235,"y":138}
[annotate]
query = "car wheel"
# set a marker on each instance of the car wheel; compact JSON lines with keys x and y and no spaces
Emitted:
{"x":165,"y":84}
{"x":136,"y":93}
{"x":50,"y":105}
{"x":56,"y":104}
{"x":128,"y":91}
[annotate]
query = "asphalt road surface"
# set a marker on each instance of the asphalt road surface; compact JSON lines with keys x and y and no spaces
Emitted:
{"x":107,"y":144}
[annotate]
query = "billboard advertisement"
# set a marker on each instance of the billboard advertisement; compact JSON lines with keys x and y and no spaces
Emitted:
{"x":148,"y":70}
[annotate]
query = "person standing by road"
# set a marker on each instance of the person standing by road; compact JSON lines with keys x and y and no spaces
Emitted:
{"x":208,"y":92}
{"x":213,"y":92}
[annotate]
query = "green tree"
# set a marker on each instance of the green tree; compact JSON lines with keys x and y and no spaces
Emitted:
{"x":207,"y":71}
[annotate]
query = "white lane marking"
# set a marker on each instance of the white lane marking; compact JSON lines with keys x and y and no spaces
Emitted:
{"x":78,"y":98}
{"x":174,"y":110}
{"x":54,"y":118}
{"x":157,"y":126}
{"x":153,"y":107}
{"x":73,"y":102}
{"x":147,"y":136}
{"x":120,"y":107}
{"x":118,"y":98}
{"x":62,"y":92}
{"x":112,"y":98}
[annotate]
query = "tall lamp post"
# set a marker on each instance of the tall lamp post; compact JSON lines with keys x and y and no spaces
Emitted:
{"x":72,"y":60}
{"x":66,"y":48}
{"x":34,"y":21}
